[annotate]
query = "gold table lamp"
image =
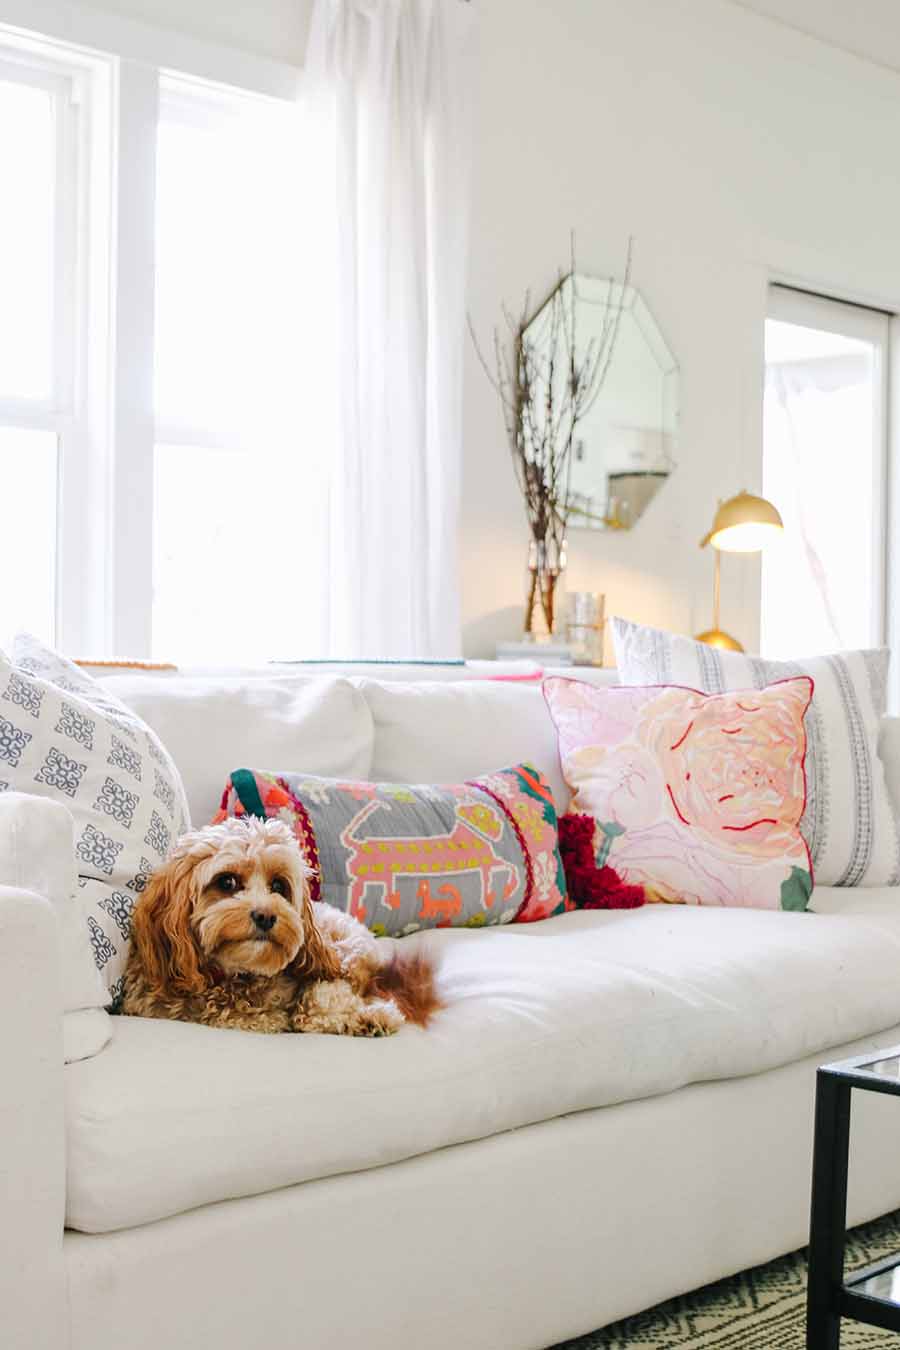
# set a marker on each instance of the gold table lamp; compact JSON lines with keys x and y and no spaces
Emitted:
{"x":742,"y":524}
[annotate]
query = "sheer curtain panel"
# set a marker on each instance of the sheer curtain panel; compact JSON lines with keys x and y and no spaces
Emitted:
{"x":388,"y":104}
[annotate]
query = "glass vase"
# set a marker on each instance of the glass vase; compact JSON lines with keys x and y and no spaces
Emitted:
{"x":546,"y":564}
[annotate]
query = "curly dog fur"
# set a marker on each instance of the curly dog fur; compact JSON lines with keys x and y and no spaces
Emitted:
{"x":225,"y":934}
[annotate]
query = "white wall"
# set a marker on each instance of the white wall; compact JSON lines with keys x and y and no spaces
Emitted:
{"x":732,"y":148}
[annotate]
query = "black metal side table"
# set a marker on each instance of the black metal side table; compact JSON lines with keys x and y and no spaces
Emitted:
{"x":871,"y":1295}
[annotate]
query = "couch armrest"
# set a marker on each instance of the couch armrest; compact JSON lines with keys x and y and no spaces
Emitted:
{"x":37,"y":845}
{"x":32,"y":1125}
{"x":37,"y":854}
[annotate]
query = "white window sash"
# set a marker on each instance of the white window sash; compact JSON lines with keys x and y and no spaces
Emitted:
{"x":131,"y":533}
{"x":101,"y":401}
{"x":70,"y":79}
{"x":892,"y":521}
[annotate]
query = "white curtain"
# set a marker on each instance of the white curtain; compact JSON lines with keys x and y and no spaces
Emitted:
{"x":387,"y":104}
{"x":818,"y":468}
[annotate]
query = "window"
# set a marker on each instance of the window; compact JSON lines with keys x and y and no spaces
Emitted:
{"x":238,"y":491}
{"x":824,"y":467}
{"x":55,"y":167}
{"x":38,"y":261}
{"x":153,"y":426}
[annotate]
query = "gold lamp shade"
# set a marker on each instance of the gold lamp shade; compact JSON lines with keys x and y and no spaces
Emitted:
{"x":744,"y":524}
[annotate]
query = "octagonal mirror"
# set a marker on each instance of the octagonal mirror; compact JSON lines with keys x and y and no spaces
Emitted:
{"x":623,"y":450}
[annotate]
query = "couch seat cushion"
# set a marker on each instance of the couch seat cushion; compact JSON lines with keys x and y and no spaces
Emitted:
{"x":581,"y":1011}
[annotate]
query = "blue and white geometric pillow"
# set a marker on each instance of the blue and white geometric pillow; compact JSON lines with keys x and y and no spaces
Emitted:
{"x":63,"y":736}
{"x":850,"y":823}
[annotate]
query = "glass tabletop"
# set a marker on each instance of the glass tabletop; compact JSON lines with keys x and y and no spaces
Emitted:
{"x":880,"y":1072}
{"x":885,"y":1068}
{"x":885,"y":1286}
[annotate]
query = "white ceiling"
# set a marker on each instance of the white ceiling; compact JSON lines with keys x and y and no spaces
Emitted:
{"x":868,"y":28}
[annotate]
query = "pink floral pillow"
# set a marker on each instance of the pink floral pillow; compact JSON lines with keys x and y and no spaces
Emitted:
{"x":696,"y":797}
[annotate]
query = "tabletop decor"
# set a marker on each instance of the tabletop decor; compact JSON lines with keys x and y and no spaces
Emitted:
{"x":546,"y":389}
{"x":743,"y":524}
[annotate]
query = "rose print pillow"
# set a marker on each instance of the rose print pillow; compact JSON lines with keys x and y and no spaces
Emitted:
{"x":696,"y":797}
{"x":850,"y":823}
{"x":403,"y":858}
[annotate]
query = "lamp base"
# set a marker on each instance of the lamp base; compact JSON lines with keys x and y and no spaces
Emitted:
{"x":715,"y":637}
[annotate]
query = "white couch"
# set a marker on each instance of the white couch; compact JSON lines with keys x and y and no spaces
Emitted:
{"x":613,"y":1107}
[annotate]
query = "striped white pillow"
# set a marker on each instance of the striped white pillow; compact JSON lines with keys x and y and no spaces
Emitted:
{"x":850,"y":823}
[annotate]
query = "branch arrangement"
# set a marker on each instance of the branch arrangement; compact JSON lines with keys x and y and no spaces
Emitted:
{"x":546,"y":389}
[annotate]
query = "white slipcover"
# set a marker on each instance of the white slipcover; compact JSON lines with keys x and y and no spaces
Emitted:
{"x":580,"y":1011}
{"x":214,"y":724}
{"x":37,"y":856}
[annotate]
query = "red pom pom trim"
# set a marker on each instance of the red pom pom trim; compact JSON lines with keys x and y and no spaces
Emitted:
{"x":590,"y":886}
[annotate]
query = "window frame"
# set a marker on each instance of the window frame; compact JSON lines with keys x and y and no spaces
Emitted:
{"x":101,"y":407}
{"x":74,"y":409}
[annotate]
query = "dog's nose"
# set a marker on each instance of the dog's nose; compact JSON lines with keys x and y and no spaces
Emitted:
{"x":262,"y":920}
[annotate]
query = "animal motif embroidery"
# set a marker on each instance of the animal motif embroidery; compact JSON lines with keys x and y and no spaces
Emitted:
{"x":443,"y":906}
{"x":380,"y":863}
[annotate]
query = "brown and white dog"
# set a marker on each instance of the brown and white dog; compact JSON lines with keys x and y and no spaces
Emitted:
{"x":225,"y":934}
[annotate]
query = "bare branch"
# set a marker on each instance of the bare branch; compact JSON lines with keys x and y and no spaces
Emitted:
{"x":546,"y":388}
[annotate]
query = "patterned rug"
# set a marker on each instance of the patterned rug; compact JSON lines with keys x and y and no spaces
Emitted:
{"x":762,"y":1309}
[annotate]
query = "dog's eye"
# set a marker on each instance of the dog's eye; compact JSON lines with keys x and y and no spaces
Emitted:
{"x":227,"y":882}
{"x":279,"y":886}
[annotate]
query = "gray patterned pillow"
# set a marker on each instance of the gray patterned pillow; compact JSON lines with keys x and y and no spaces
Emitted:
{"x":62,"y":736}
{"x":850,"y":823}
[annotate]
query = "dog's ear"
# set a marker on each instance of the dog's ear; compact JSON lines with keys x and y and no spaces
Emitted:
{"x":161,"y":934}
{"x":316,"y":959}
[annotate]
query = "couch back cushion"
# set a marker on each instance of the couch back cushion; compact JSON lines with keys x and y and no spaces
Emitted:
{"x":448,"y":732}
{"x":452,"y":724}
{"x":213,"y":724}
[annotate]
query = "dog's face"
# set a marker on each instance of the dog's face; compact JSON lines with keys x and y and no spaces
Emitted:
{"x":248,"y":903}
{"x":232,"y":898}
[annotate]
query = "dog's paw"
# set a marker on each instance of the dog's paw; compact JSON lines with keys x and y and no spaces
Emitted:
{"x":333,"y":1006}
{"x":380,"y":1017}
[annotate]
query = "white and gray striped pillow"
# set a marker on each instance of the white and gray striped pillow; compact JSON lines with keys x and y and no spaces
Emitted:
{"x":850,"y":823}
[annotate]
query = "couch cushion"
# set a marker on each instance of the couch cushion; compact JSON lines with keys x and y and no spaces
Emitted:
{"x":695,"y":797}
{"x":580,"y":1011}
{"x":65,"y":738}
{"x":212,"y":724}
{"x":850,"y":822}
{"x":447,"y":732}
{"x":400,"y":858}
